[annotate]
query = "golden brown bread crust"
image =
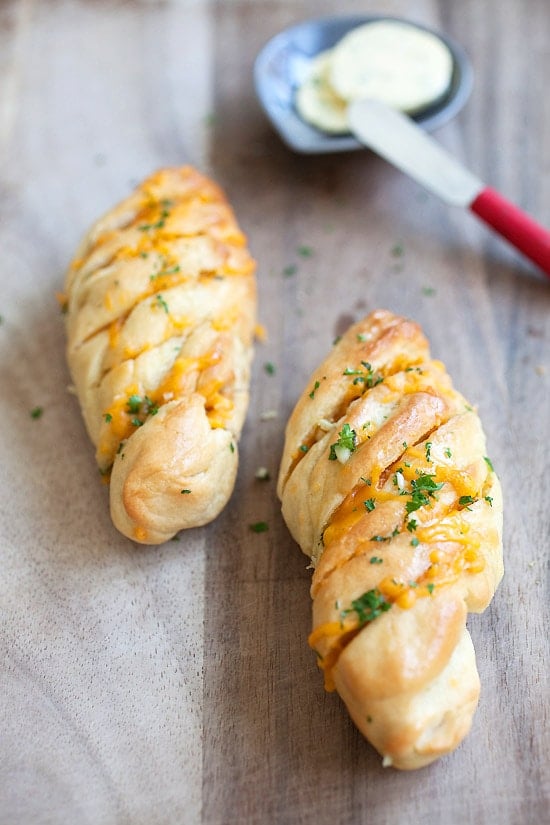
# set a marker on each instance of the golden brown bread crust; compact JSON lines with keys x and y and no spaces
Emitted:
{"x":161,"y":307}
{"x":385,"y":484}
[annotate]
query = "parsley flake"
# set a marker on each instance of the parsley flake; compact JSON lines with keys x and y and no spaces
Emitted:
{"x":108,"y":418}
{"x":185,"y":492}
{"x":366,"y":376}
{"x":368,"y":606}
{"x":270,"y":368}
{"x":36,"y":412}
{"x":290,"y":270}
{"x":423,"y":488}
{"x":415,"y":542}
{"x":315,"y":388}
{"x":259,"y":527}
{"x":376,"y":560}
{"x":465,"y":500}
{"x":160,"y":302}
{"x":489,"y":463}
{"x":370,"y":504}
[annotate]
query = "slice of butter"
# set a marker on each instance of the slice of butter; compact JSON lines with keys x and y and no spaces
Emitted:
{"x":404,"y":66}
{"x":317,"y":103}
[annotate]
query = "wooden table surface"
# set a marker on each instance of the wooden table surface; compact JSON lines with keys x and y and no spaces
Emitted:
{"x":174,"y":684}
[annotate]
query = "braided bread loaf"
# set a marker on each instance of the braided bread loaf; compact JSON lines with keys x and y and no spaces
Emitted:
{"x":160,"y":318}
{"x":385,"y":484}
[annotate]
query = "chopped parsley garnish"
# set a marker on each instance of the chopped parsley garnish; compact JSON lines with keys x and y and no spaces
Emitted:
{"x":489,"y":463}
{"x":169,"y":271}
{"x":232,"y":447}
{"x":305,"y":251}
{"x":108,"y":418}
{"x":414,"y":542}
{"x":270,"y":368}
{"x":465,"y":500}
{"x":489,"y":500}
{"x":303,"y":447}
{"x":259,"y":527}
{"x":397,"y":250}
{"x":423,"y":488}
{"x":430,"y":587}
{"x":346,"y":444}
{"x":366,"y":481}
{"x":370,"y":504}
{"x":134,"y":403}
{"x":139,"y":406}
{"x":160,"y":302}
{"x":185,"y":492}
{"x":428,"y":291}
{"x":447,"y":452}
{"x":36,"y":412}
{"x":428,"y":451}
{"x":376,"y":560}
{"x":361,"y":337}
{"x":290,"y":270}
{"x":337,"y":340}
{"x":158,"y":224}
{"x":315,"y":388}
{"x":380,"y":538}
{"x":368,"y":606}
{"x":366,"y":376}
{"x":412,"y":525}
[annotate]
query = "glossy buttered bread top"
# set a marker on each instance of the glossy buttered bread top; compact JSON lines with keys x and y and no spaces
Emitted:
{"x":160,"y":319}
{"x":386,"y":485}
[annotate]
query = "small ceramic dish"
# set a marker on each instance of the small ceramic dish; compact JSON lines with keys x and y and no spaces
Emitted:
{"x":283,"y":64}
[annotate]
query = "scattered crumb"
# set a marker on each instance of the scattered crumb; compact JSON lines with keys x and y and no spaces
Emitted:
{"x":387,"y":762}
{"x":260,"y":333}
{"x":268,"y":415}
{"x":540,"y":369}
{"x":262,"y":474}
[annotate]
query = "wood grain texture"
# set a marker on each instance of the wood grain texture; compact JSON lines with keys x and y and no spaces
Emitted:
{"x":174,"y":684}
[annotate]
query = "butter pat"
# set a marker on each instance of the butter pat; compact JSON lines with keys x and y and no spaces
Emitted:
{"x":395,"y":62}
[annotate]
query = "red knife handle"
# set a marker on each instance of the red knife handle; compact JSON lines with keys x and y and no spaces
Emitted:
{"x":521,"y":230}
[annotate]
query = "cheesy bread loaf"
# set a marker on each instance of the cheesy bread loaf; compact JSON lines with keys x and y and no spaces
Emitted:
{"x":161,"y":307}
{"x":385,"y":484}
